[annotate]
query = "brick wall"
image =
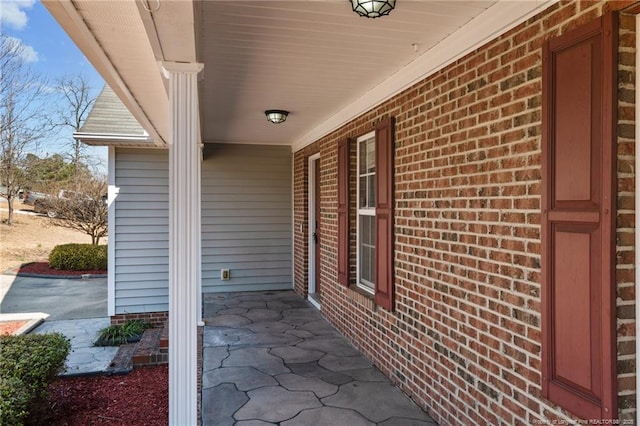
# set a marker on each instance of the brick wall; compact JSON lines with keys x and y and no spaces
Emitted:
{"x":625,"y":250}
{"x":465,"y":338}
{"x":156,"y":319}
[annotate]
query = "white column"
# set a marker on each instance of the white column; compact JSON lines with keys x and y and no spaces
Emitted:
{"x":112,"y":194}
{"x":184,"y":239}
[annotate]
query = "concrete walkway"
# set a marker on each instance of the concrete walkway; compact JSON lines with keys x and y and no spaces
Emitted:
{"x":84,"y":358}
{"x":270,"y":358}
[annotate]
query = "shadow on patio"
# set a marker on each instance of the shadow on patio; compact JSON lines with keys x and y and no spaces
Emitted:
{"x":271,"y":358}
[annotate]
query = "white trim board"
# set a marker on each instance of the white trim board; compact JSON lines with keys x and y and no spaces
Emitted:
{"x":112,"y":194}
{"x":311,"y":191}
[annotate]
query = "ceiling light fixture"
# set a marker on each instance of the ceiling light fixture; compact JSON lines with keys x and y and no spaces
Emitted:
{"x":276,"y":116}
{"x":373,"y":8}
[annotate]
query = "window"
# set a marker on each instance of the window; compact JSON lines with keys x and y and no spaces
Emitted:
{"x":374,"y":213}
{"x":366,"y":231}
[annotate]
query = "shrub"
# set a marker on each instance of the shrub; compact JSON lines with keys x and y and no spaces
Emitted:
{"x":78,"y":257}
{"x":14,"y":401}
{"x":115,"y":335}
{"x":28,"y":364}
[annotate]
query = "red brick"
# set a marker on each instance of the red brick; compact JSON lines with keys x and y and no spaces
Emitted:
{"x":468,"y":191}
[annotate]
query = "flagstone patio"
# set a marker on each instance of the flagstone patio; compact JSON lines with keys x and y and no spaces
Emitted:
{"x":271,"y":358}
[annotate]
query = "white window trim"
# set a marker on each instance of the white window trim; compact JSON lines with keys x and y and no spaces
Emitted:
{"x":361,"y":212}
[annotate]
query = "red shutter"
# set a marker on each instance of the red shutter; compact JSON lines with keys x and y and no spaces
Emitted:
{"x":343,"y":212}
{"x":384,"y":213}
{"x":578,"y":317}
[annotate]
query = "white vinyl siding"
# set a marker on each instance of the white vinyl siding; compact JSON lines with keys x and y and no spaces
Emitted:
{"x":141,"y":231}
{"x":246,"y":217}
{"x":246,"y":223}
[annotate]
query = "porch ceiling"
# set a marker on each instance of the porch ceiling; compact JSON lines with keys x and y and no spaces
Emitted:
{"x":316,"y":59}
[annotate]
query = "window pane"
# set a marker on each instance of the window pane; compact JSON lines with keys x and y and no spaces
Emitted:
{"x":362,"y":196}
{"x":362,"y":158}
{"x":365,"y":231}
{"x":367,"y":156}
{"x":371,"y":183}
{"x":371,"y":155}
{"x":365,"y":265}
{"x":366,"y":205}
{"x":367,"y":250}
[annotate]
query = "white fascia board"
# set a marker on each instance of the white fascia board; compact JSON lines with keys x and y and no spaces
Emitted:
{"x":71,"y":21}
{"x":111,"y":136}
{"x":108,"y":139}
{"x":490,"y":24}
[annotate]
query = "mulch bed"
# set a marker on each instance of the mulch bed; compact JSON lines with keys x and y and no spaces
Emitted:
{"x":42,"y":268}
{"x":138,"y":398}
{"x":9,"y":327}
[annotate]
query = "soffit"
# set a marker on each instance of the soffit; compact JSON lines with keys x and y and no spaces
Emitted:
{"x":316,"y":59}
{"x":320,"y":61}
{"x":118,"y":28}
{"x":310,"y":58}
{"x":112,"y":36}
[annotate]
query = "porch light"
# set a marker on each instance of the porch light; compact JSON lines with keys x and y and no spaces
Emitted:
{"x":276,"y":116}
{"x":373,"y":8}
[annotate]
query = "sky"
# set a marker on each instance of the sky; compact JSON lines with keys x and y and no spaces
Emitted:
{"x":50,"y":52}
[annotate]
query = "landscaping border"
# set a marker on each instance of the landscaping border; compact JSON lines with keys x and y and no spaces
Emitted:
{"x":16,"y":271}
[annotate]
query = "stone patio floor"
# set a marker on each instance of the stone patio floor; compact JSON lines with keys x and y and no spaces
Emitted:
{"x":270,"y":358}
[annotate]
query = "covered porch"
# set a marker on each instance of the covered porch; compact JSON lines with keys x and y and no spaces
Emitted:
{"x":454,"y":187}
{"x":271,"y":358}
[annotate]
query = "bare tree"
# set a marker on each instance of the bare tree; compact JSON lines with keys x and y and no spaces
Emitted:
{"x":22,"y":120}
{"x":84,"y":208}
{"x":72,"y":111}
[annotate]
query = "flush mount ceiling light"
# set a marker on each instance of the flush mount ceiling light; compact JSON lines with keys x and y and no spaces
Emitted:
{"x":276,"y":116}
{"x":373,"y":8}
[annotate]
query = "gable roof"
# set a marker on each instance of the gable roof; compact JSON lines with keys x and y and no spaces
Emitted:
{"x":110,"y":123}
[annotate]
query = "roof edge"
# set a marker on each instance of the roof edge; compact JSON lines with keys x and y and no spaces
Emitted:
{"x":116,"y":139}
{"x":68,"y":17}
